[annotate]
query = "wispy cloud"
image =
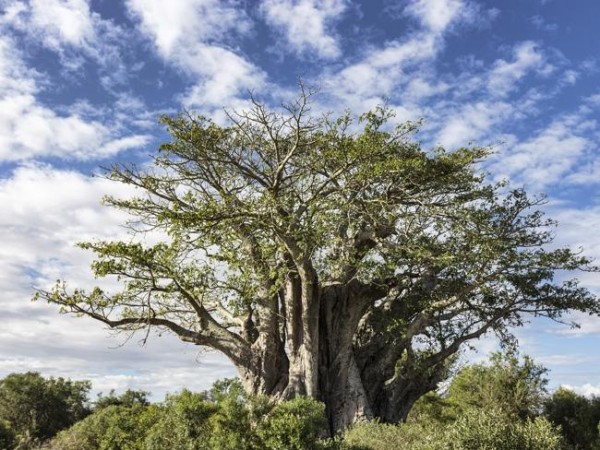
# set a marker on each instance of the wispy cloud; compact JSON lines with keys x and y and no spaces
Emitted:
{"x":28,"y":129}
{"x":439,"y":15}
{"x":527,"y":58}
{"x":306,"y":25}
{"x":43,"y":212}
{"x":193,"y":36}
{"x":403,"y":70}
{"x":550,"y":156}
{"x":74,"y":32}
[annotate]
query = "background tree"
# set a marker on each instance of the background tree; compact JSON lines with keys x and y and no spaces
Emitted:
{"x":577,"y":416}
{"x":7,"y":436}
{"x":34,"y":409}
{"x":128,"y":398}
{"x":330,"y":258}
{"x":518,"y":388}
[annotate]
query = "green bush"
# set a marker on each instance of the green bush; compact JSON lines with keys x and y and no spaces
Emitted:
{"x":380,"y":436}
{"x":293,"y":425}
{"x":183,"y":423}
{"x":495,"y":430}
{"x":128,"y":398}
{"x":7,"y":436}
{"x":577,"y":416}
{"x":33,"y":409}
{"x":515,"y":385}
{"x":224,"y":419}
{"x":231,"y":424}
{"x":475,"y":430}
{"x":111,"y":428}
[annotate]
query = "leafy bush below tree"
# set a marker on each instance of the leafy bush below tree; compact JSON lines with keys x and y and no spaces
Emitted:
{"x":502,"y":405}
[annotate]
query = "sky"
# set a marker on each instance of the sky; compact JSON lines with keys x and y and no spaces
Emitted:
{"x":83,"y":82}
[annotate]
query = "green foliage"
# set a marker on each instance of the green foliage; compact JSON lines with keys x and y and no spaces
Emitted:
{"x":432,"y":407}
{"x":128,"y":398}
{"x":515,"y":387}
{"x":474,"y":430}
{"x":379,"y":436}
{"x":183,"y":423}
{"x":495,"y":430}
{"x":293,"y":425}
{"x":577,"y":416}
{"x":111,"y":428}
{"x":33,"y":409}
{"x":226,"y":418}
{"x":231,"y":424}
{"x":7,"y":436}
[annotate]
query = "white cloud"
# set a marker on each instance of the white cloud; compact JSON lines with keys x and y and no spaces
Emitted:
{"x":547,"y":157}
{"x":224,"y":76}
{"x":382,"y":71}
{"x":472,"y":123}
{"x":587,"y":325}
{"x":75,"y":33}
{"x":43,"y":212}
{"x":579,"y":229}
{"x":527,"y":57}
{"x":178,"y":22}
{"x":587,"y":389}
{"x":183,"y":32}
{"x":62,"y":21}
{"x":29,"y":129}
{"x":594,"y":99}
{"x":439,"y":15}
{"x":306,"y":25}
{"x":401,"y":69}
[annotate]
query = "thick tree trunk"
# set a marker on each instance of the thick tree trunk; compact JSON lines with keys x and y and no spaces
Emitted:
{"x":341,"y":387}
{"x":320,"y":360}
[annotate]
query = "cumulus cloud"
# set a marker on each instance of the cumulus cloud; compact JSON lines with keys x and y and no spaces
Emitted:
{"x":587,"y":389}
{"x":306,"y":25}
{"x":74,"y":32}
{"x":29,"y":129}
{"x":403,"y":70}
{"x":43,"y":212}
{"x":439,"y":15}
{"x":185,"y":32}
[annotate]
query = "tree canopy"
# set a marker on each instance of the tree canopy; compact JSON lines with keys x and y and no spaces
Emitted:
{"x":329,"y":257}
{"x":33,"y":408}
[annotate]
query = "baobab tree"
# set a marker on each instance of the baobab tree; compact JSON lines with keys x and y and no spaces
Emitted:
{"x":336,"y":259}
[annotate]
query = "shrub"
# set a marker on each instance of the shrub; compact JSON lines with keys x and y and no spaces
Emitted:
{"x":111,"y":428}
{"x":183,"y":423}
{"x":34,"y":409}
{"x":577,"y":416}
{"x":495,"y":430}
{"x":7,"y":436}
{"x":293,"y":425}
{"x":475,"y":430}
{"x":379,"y":436}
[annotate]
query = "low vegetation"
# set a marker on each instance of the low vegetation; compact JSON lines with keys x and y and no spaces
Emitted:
{"x":500,"y":405}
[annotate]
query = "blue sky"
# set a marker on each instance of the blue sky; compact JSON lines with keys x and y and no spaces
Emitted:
{"x":82,"y":83}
